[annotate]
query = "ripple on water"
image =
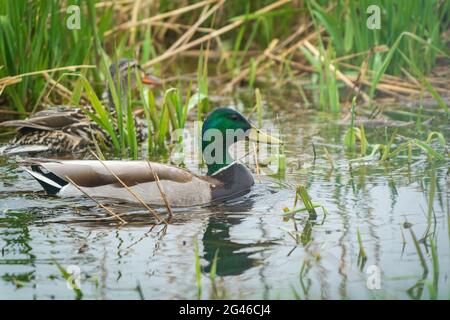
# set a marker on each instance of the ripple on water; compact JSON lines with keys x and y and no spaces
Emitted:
{"x":257,"y":258}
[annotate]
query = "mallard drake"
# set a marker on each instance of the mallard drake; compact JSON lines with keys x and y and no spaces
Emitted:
{"x":65,"y":129}
{"x":225,"y":178}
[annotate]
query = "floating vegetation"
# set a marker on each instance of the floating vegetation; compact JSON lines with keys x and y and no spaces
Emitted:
{"x":353,"y":133}
{"x":389,"y":151}
{"x":309,"y":207}
{"x":70,"y":281}
{"x":19,"y":280}
{"x":305,"y":235}
{"x":416,"y":291}
{"x":362,"y":257}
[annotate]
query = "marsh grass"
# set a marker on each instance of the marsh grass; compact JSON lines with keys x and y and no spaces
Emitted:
{"x":69,"y":279}
{"x":305,"y":283}
{"x":355,"y":134}
{"x":416,"y":290}
{"x":434,"y":146}
{"x":362,"y":256}
{"x":301,"y":194}
{"x":242,"y":37}
{"x":410,"y":143}
{"x":354,"y":36}
{"x":431,"y":195}
{"x":218,"y":290}
{"x":305,"y":235}
{"x":430,"y":243}
{"x":433,"y":284}
{"x":321,"y":60}
{"x":117,"y":118}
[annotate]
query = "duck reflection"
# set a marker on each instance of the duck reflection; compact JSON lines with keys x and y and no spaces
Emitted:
{"x":233,"y":258}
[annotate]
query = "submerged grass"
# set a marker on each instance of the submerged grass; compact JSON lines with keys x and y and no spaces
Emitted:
{"x":70,"y":280}
{"x":198,"y":270}
{"x":362,"y":256}
{"x":305,"y":235}
{"x":434,"y":146}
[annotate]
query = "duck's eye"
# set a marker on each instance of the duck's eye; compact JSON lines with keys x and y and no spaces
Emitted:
{"x":234,"y":117}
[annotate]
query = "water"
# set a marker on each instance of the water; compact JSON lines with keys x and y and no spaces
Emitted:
{"x":257,"y":257}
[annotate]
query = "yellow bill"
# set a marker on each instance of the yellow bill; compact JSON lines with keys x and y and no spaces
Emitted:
{"x":258,"y":136}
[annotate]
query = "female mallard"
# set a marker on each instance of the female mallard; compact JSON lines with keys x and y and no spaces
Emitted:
{"x":225,"y":178}
{"x":65,"y":129}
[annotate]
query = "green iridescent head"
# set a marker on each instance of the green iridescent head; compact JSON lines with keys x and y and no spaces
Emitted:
{"x":222,"y":128}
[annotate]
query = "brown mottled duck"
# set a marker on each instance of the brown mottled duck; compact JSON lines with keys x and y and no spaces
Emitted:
{"x":66,"y":129}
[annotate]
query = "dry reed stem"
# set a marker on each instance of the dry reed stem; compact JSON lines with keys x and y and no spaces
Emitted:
{"x":134,"y":17}
{"x":161,"y":16}
{"x":217,"y":54}
{"x":161,"y":191}
{"x":401,"y":83}
{"x":212,"y":35}
{"x":293,"y":64}
{"x":97,"y":202}
{"x":145,"y":235}
{"x":134,"y":194}
{"x":273,"y":46}
{"x":62,"y":90}
{"x":70,"y":68}
{"x":162,"y":32}
{"x":393,"y":85}
{"x":299,"y":43}
{"x":339,"y":74}
{"x":109,"y":3}
{"x":410,"y":77}
{"x":386,"y":78}
{"x":255,"y":155}
{"x":191,"y":31}
{"x":3,"y":111}
{"x":244,"y":72}
{"x":381,"y":48}
{"x":386,"y":88}
{"x":300,"y":30}
{"x":328,"y":156}
{"x":10,"y":80}
{"x":397,"y":88}
{"x":178,"y":27}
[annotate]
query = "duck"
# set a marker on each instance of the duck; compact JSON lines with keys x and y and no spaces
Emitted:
{"x":66,"y":129}
{"x":225,"y":179}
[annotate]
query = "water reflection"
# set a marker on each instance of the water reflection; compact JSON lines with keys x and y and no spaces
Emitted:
{"x":233,"y":257}
{"x":254,"y":248}
{"x":16,"y":248}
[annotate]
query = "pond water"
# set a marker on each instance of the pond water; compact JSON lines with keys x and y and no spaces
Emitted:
{"x":385,"y":202}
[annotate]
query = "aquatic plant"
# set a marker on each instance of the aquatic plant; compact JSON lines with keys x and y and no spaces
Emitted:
{"x":362,"y":257}
{"x":69,"y":279}
{"x":119,"y":122}
{"x":198,"y":270}
{"x":385,"y":150}
{"x":246,"y":42}
{"x":304,"y":236}
{"x":353,"y":133}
